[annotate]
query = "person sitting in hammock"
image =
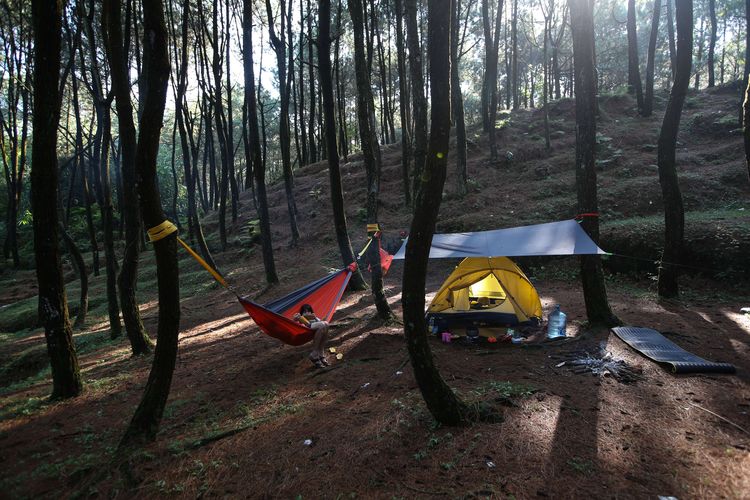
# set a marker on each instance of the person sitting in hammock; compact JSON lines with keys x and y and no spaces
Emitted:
{"x":307,"y":317}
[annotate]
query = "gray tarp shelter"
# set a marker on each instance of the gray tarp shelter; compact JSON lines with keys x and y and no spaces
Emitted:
{"x":553,"y":238}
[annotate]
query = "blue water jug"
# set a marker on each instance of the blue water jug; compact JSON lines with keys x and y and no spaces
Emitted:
{"x":556,"y":323}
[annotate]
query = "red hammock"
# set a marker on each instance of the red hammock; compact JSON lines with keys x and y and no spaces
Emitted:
{"x":275,"y":318}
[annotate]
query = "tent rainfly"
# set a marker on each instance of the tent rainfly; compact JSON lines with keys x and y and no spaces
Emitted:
{"x":553,"y":238}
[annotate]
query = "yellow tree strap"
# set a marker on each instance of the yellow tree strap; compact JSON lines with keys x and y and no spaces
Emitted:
{"x":161,"y":231}
{"x":360,"y":254}
{"x":205,"y":264}
{"x":373,"y":228}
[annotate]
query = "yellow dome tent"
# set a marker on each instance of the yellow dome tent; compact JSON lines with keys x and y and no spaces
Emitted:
{"x":485,"y":292}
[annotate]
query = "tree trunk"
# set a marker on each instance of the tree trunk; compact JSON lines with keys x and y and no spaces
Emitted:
{"x":457,"y":103}
{"x":234,"y":188}
{"x":340,"y":98}
{"x":326,"y":88}
{"x":279,"y":47}
{"x":140,"y":343}
{"x":674,"y":213}
{"x":311,"y":73}
{"x":305,"y":157}
{"x":53,"y":306}
{"x":419,"y":102}
{"x":403,"y":97}
{"x":746,"y":127}
{"x":670,"y":34}
{"x":370,"y":151}
{"x":492,"y":59}
{"x":514,"y":64}
{"x":442,"y":402}
{"x":712,"y":43}
{"x":592,"y":277}
{"x":255,"y":154}
{"x":648,"y":101}
{"x":699,"y":58}
{"x":222,"y":129}
{"x":145,"y":423}
{"x":634,"y":72}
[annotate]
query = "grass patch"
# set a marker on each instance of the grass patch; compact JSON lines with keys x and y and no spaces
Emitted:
{"x":19,"y":316}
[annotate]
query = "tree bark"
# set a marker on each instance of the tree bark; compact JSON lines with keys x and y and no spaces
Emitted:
{"x":634,"y":72}
{"x":53,"y":306}
{"x":712,"y":43}
{"x":255,"y":154}
{"x":140,"y":342}
{"x":746,"y":127}
{"x":145,"y":423}
{"x":648,"y":101}
{"x":357,"y":282}
{"x":370,"y":151}
{"x":278,"y":44}
{"x":457,"y":103}
{"x":311,"y":72}
{"x":403,"y":96}
{"x":670,"y":34}
{"x":419,"y":102}
{"x":674,"y":213}
{"x":592,"y":277}
{"x":441,"y":401}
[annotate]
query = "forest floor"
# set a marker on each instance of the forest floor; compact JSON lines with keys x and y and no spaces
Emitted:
{"x":249,"y":417}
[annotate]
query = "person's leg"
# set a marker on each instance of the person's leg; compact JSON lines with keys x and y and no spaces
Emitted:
{"x":321,"y":334}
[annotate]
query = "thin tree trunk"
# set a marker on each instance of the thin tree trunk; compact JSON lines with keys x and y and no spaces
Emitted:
{"x":514,"y":38}
{"x":674,"y":213}
{"x":441,"y":401}
{"x":279,"y":47}
{"x":592,"y":277}
{"x":53,"y":306}
{"x":699,"y":58}
{"x":712,"y":43}
{"x":140,"y":343}
{"x":492,"y":58}
{"x":370,"y":151}
{"x":233,"y":187}
{"x":670,"y":34}
{"x":254,"y":155}
{"x":403,"y":97}
{"x":634,"y":72}
{"x":457,"y":102}
{"x":337,"y":197}
{"x":419,"y":102}
{"x":311,"y":72}
{"x":301,"y":137}
{"x":648,"y":101}
{"x":145,"y":423}
{"x":83,"y":276}
{"x":340,"y":97}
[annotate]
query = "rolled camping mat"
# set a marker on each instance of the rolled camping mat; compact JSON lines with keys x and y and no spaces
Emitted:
{"x":655,"y":346}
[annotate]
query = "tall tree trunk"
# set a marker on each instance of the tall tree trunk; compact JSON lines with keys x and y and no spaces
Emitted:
{"x":340,"y":97}
{"x":53,"y":306}
{"x":592,"y":277}
{"x":514,"y":64}
{"x":326,"y":88}
{"x":457,"y":102}
{"x":145,"y":423}
{"x":419,"y":102}
{"x":442,"y":402}
{"x":674,"y":213}
{"x":255,"y":154}
{"x":305,"y":156}
{"x":222,"y":128}
{"x":140,"y":343}
{"x":233,"y":187}
{"x":634,"y":72}
{"x":648,"y":101}
{"x":746,"y":127}
{"x":279,"y":47}
{"x":403,"y":97}
{"x":670,"y":34}
{"x":492,"y":58}
{"x":699,"y":58}
{"x":370,"y":151}
{"x":311,"y":73}
{"x":712,"y":43}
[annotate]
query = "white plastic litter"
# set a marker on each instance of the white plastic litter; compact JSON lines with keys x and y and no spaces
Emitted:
{"x":399,"y":372}
{"x":365,"y":385}
{"x":308,"y":442}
